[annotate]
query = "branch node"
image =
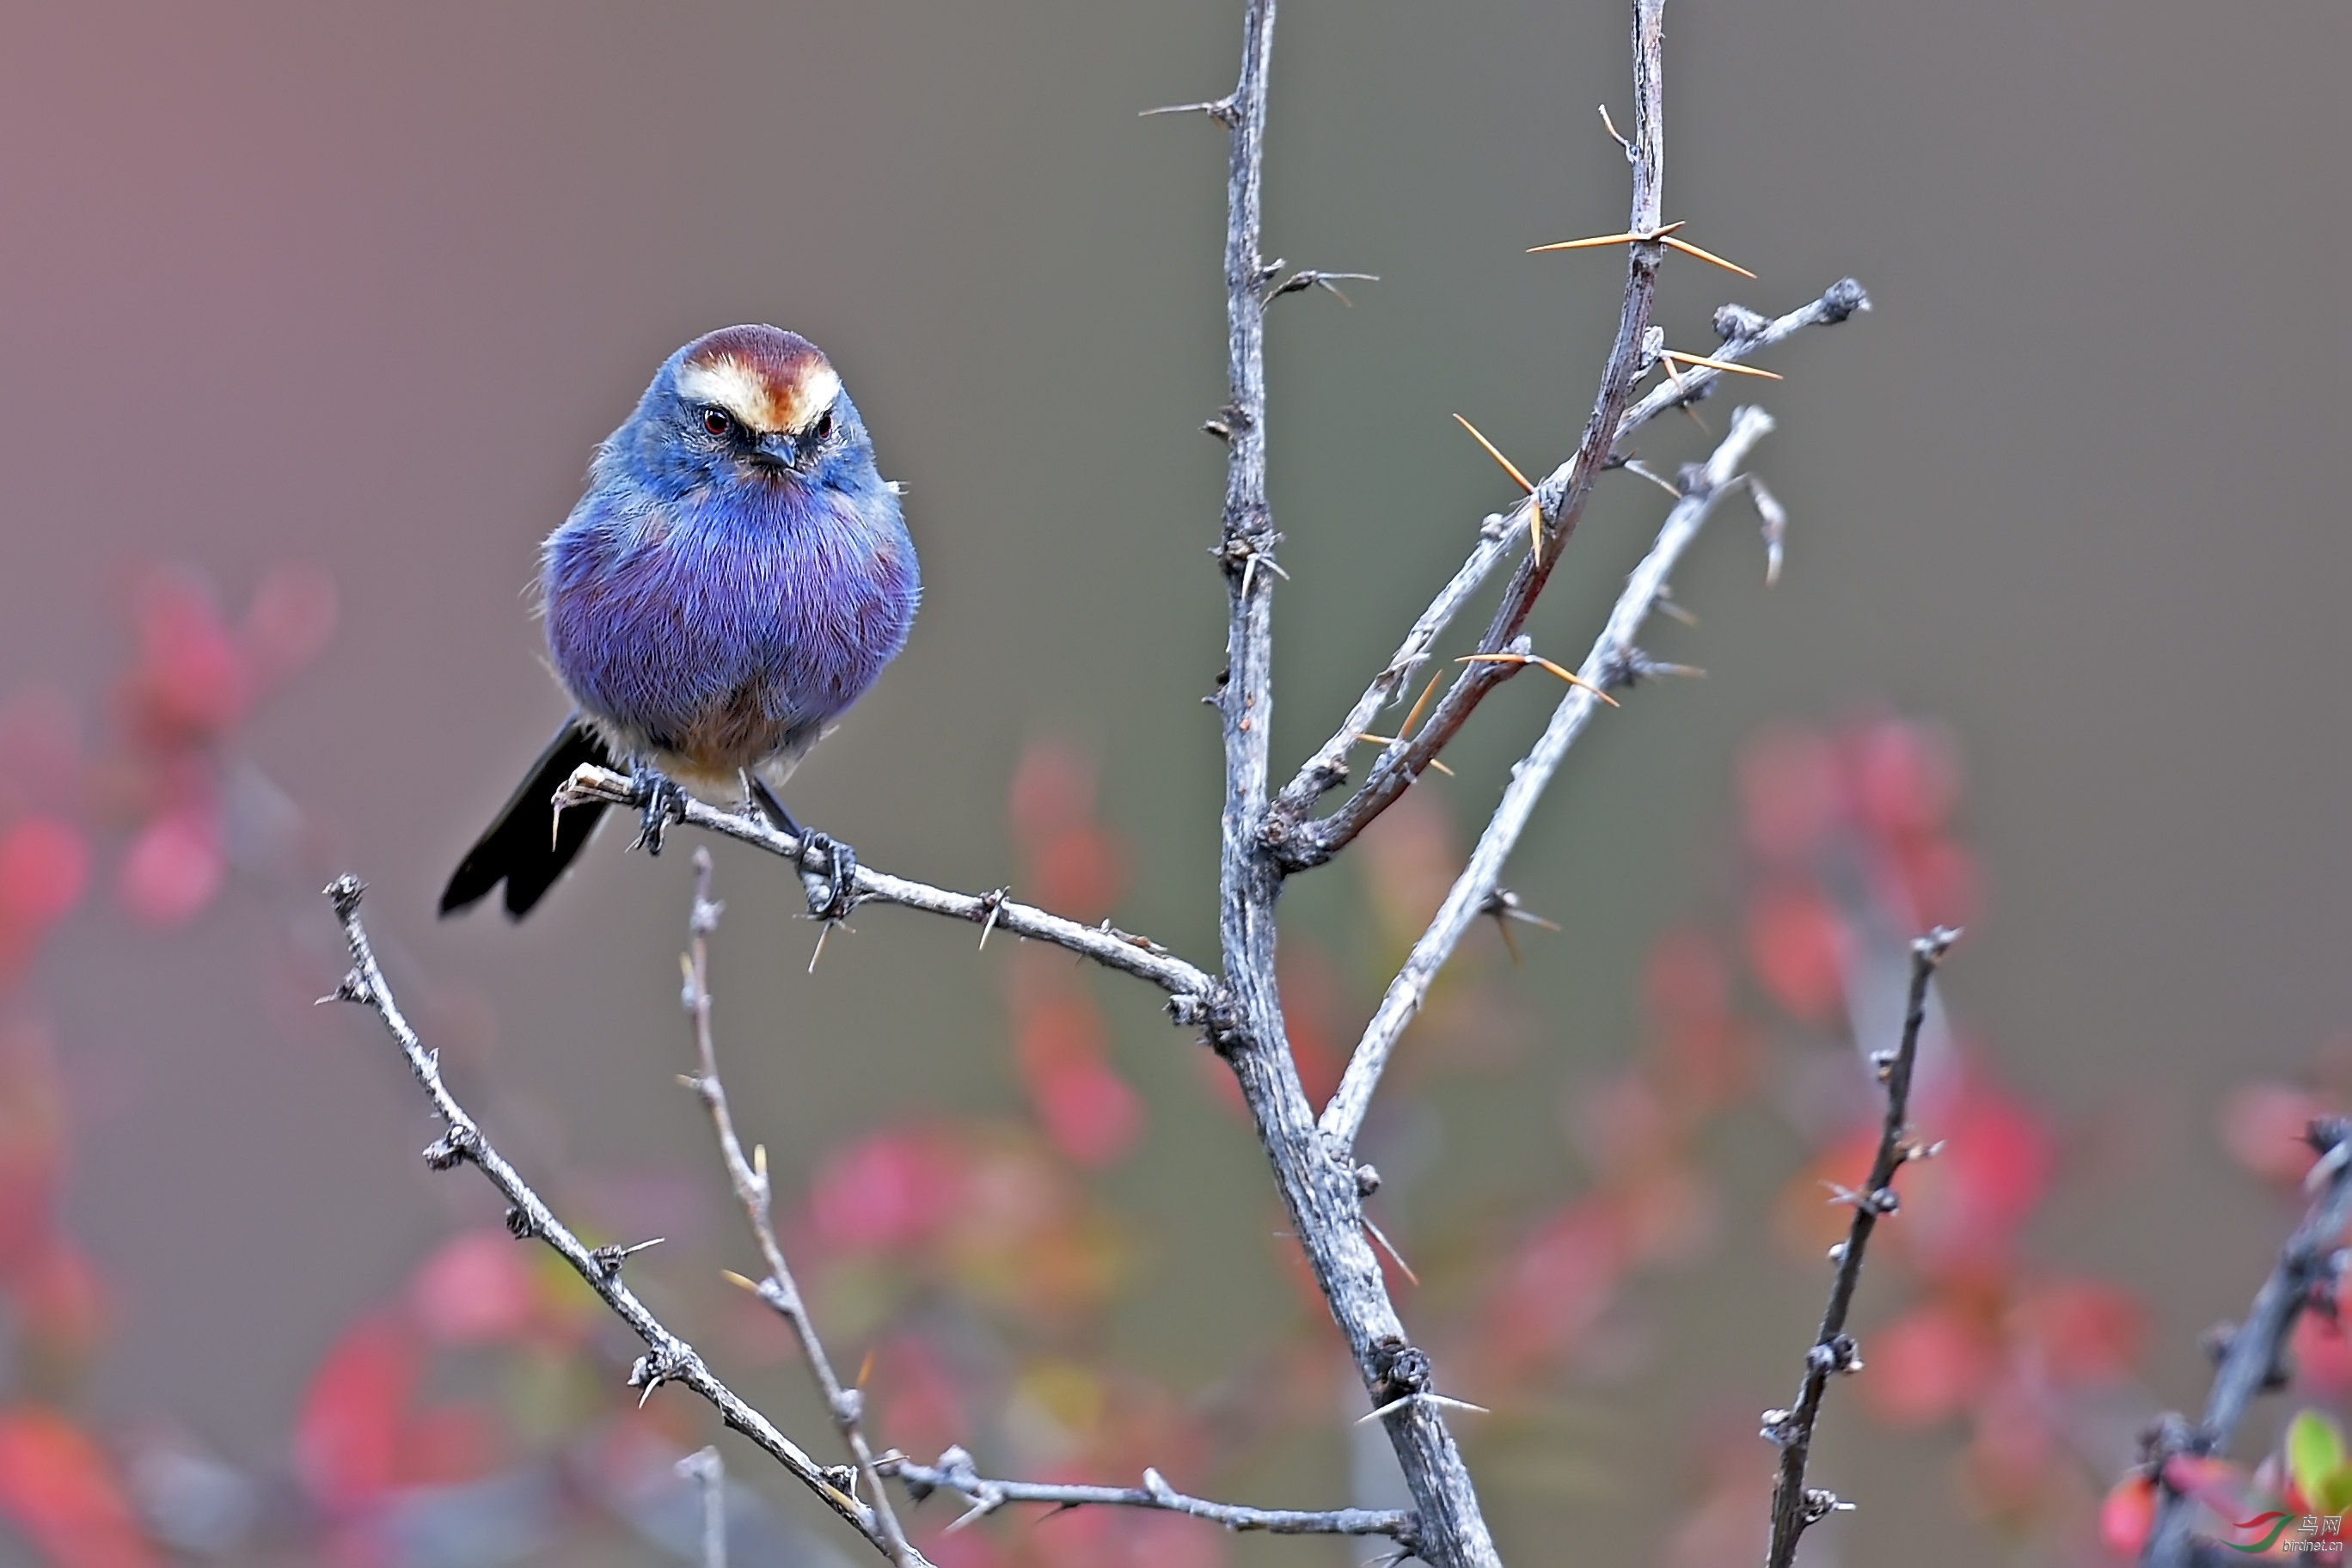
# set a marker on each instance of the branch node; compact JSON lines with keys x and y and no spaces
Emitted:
{"x":1844,"y":297}
{"x":453,"y":1148}
{"x":610,"y":1257}
{"x":664,"y":1363}
{"x":1736,"y":323}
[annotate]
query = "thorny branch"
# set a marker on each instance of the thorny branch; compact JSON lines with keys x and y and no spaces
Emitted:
{"x":1265,"y":838}
{"x":1611,"y":663}
{"x":708,"y":1471}
{"x":2254,"y":1357}
{"x":668,"y":1359}
{"x":1794,"y":1506}
{"x":954,"y":1473}
{"x":1189,"y":988}
{"x":1301,"y":843}
{"x":749,"y":1179}
{"x":1743,"y":332}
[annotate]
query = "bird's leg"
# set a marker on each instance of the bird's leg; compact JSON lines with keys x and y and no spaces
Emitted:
{"x":831,"y":891}
{"x":665,"y":803}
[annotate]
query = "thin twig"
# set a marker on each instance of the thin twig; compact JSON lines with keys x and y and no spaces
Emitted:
{"x":1326,"y":769}
{"x":1612,"y":657}
{"x":1187,"y":988}
{"x":1244,"y":1022}
{"x":668,"y":1358}
{"x":1794,"y":1506}
{"x":1301,"y":843}
{"x":954,"y":1473}
{"x":2256,"y":1358}
{"x":753,"y":1189}
{"x":708,"y":1471}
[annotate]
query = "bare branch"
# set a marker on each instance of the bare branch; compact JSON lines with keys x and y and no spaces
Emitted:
{"x":708,"y":1471}
{"x":954,"y":1473}
{"x":2255,"y":1355}
{"x":1301,"y":843}
{"x":668,"y":1359}
{"x":1245,"y":1023}
{"x":1794,"y":1506}
{"x":1613,"y":662}
{"x":749,"y":1179}
{"x":1743,"y":332}
{"x":1190,"y":989}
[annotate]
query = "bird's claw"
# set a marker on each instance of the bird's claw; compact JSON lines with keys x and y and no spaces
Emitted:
{"x":832,"y":890}
{"x":665,"y":804}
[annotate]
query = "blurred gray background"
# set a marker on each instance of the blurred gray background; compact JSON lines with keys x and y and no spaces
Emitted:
{"x":360,"y":287}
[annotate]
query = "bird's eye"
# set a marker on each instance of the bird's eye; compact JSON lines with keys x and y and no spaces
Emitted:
{"x":824,"y":425}
{"x":717,"y":421}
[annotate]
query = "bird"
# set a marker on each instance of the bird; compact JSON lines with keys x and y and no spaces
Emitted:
{"x":735,"y":575}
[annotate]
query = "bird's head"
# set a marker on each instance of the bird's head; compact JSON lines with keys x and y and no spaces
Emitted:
{"x":753,"y":404}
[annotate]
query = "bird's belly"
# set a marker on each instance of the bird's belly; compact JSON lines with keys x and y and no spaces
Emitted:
{"x":721,"y":659}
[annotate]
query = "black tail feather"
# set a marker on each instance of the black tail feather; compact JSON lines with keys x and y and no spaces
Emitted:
{"x":526,"y":846}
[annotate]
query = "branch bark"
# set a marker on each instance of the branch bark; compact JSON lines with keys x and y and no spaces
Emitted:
{"x":1743,"y":332}
{"x":1318,"y":1188}
{"x":1610,"y":663}
{"x":1188,"y":986}
{"x":2255,"y":1357}
{"x":955,"y":1473}
{"x":667,"y":1358}
{"x":1795,"y":1507}
{"x":1301,"y":843}
{"x":749,"y":1179}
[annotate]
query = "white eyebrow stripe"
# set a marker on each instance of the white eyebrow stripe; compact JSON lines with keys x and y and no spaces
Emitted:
{"x":754,"y":400}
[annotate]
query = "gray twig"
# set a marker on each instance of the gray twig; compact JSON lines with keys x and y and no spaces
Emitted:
{"x":1189,"y":988}
{"x":1327,"y":768}
{"x":2254,"y":1358}
{"x":708,"y":1471}
{"x":955,"y":1473}
{"x":1794,"y":1506}
{"x":1301,"y":843}
{"x":753,"y":1189}
{"x":667,"y":1358}
{"x":1247,"y":1024}
{"x":1610,"y":661}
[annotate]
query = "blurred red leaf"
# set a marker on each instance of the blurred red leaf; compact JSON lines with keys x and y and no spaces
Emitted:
{"x":1940,"y":882}
{"x":62,"y":1309}
{"x":1088,"y":1110}
{"x":1928,"y":1365}
{"x":1788,"y":784}
{"x":478,"y":1288}
{"x":2263,"y":1127}
{"x":290,"y":618}
{"x":447,"y":1445}
{"x":59,"y":1489}
{"x":888,"y":1189}
{"x":2082,"y":1331}
{"x":348,"y":1433}
{"x":173,"y":868}
{"x":190,"y":683}
{"x":1795,"y":946}
{"x":1963,"y":1208}
{"x":2127,"y":1516}
{"x":1052,"y":788}
{"x":44,"y":865}
{"x":1559,"y":1281}
{"x":2321,"y":1355}
{"x":1906,"y":775}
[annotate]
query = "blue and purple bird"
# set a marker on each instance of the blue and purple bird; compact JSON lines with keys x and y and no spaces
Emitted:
{"x":736,"y":576}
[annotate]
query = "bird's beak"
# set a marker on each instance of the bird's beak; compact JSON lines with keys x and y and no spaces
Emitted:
{"x":779,"y":449}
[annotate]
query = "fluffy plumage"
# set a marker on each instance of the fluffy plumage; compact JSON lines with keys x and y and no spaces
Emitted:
{"x":736,"y":576}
